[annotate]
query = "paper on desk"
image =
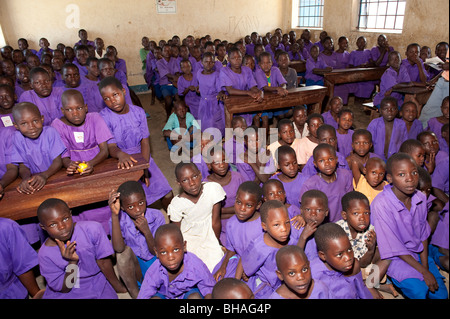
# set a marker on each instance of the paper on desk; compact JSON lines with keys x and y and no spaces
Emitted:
{"x":434,"y":62}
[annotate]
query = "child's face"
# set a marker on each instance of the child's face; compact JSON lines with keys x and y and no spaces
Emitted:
{"x":296,"y":273}
{"x":275,"y":192}
{"x":190,"y":180}
{"x":74,"y":110}
{"x":394,"y":60}
{"x":170,"y":251}
{"x":208,"y":63}
{"x":339,"y":255}
{"x":345,"y":121}
{"x":185,"y":68}
{"x":445,"y":109}
{"x":180,"y":110}
{"x":314,"y":210}
{"x":361,"y":43}
{"x":250,"y":62}
{"x":93,"y":68}
{"x":71,"y":77}
{"x":114,"y":98}
{"x":299,"y":117}
{"x":239,"y":126}
{"x":283,"y":61}
{"x":106,"y":69}
{"x":82,"y":56}
{"x":361,"y":145}
{"x":43,"y":43}
{"x":8,"y":67}
{"x":314,"y":52}
{"x":17,"y":57}
{"x":135,"y":205}
{"x":389,"y":111}
{"x":278,"y":224}
{"x":288,"y":165}
{"x":221,"y":51}
{"x":357,"y":215}
{"x":404,"y":177}
{"x":218,"y":164}
{"x":425,"y":53}
{"x":313,"y":125}
{"x":418,"y":154}
{"x":328,"y":137}
{"x":69,"y":53}
{"x":409,"y":112}
{"x":41,"y":84}
{"x":57,"y":222}
{"x":413,"y":53}
{"x":328,"y":45}
{"x":430,"y":143}
{"x":245,"y":205}
{"x":286,"y":133}
{"x":336,"y":105}
{"x":184,"y":52}
{"x":251,"y":142}
{"x":426,"y":188}
{"x":326,"y":162}
{"x":235,"y":59}
{"x":6,"y":99}
{"x":374,"y":173}
{"x":23,"y":45}
{"x":30,"y":124}
{"x":258,"y":51}
{"x":266,"y":63}
{"x":343,"y":44}
{"x":57,"y":63}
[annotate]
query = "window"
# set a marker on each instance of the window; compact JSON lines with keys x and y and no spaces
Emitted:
{"x":310,"y":13}
{"x":382,"y":15}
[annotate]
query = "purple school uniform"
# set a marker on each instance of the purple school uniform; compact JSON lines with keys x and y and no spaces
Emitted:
{"x":247,"y":171}
{"x":440,"y":235}
{"x":81,"y":68}
{"x":334,"y":191}
{"x":41,"y":52}
{"x":92,"y":245}
{"x":310,"y":169}
{"x":128,"y":131}
{"x":6,"y":134}
{"x":89,"y":90}
{"x":50,"y":106}
{"x":17,"y":257}
{"x":344,"y":142}
{"x":440,"y":176}
{"x":250,"y":49}
{"x":242,"y":81}
{"x":199,"y":161}
{"x":233,"y":149}
{"x":413,"y":70}
{"x":400,"y":231}
{"x":435,"y":126}
{"x":319,"y":291}
{"x":276,"y":78}
{"x":399,"y":135}
{"x":415,"y":129}
{"x":258,"y":262}
{"x":375,"y":54}
{"x":296,"y":56}
{"x":340,"y":286}
{"x":165,"y":68}
{"x":210,"y":111}
{"x":195,"y":274}
{"x":192,"y":99}
{"x":330,"y":60}
{"x":82,"y":141}
{"x":133,"y":238}
{"x":362,"y":89}
{"x":121,"y":65}
{"x":329,"y":119}
{"x":341,"y":90}
{"x":292,"y":188}
{"x":37,"y":154}
{"x":293,"y":211}
{"x":342,"y":59}
{"x":390,"y":78}
{"x":307,"y":45}
{"x":149,"y":72}
{"x":310,"y":65}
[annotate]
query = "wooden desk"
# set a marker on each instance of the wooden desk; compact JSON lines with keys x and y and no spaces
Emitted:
{"x":74,"y":190}
{"x":417,"y":94}
{"x":298,"y":66}
{"x":304,"y":95}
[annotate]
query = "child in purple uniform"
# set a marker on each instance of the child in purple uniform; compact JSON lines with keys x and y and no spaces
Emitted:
{"x":8,"y":99}
{"x":242,"y":228}
{"x":414,"y":65}
{"x":166,"y":69}
{"x":388,"y":132}
{"x":399,"y":215}
{"x":408,"y":113}
{"x":133,"y":226}
{"x":128,"y":124}
{"x":435,"y":123}
{"x":294,"y":272}
{"x":331,"y":117}
{"x":331,"y":180}
{"x":74,"y":260}
{"x":360,"y":58}
{"x":379,"y":53}
{"x":6,"y":177}
{"x":344,"y":132}
{"x":336,"y":266}
{"x":438,"y":247}
{"x":176,"y":273}
{"x":361,"y":146}
{"x":188,"y":87}
{"x":43,"y":95}
{"x":315,"y":63}
{"x":18,"y":260}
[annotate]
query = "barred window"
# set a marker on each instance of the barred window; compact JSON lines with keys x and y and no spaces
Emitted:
{"x":310,"y":13}
{"x":381,"y":15}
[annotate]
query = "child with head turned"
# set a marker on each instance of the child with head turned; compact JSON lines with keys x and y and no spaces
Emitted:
{"x":43,"y":95}
{"x":258,"y":260}
{"x":370,"y":179}
{"x":7,"y":101}
{"x":196,"y":210}
{"x":305,"y":147}
{"x":241,"y":229}
{"x":176,"y":273}
{"x":294,"y":272}
{"x":286,"y":136}
{"x":344,"y":132}
{"x":409,"y":114}
{"x":128,"y":124}
{"x":314,"y":63}
{"x":399,"y":215}
{"x":289,"y":74}
{"x":289,"y":176}
{"x":332,"y":180}
{"x":75,"y":258}
{"x":379,"y":53}
{"x":388,"y":131}
{"x":22,"y":79}
{"x":435,"y":124}
{"x":133,"y":226}
{"x":337,"y":266}
{"x":416,"y":150}
{"x":231,"y":288}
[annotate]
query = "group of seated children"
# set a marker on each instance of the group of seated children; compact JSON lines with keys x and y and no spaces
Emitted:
{"x":324,"y":212}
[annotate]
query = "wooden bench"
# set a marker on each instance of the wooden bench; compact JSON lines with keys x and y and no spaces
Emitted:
{"x":304,"y":95}
{"x":298,"y":66}
{"x":374,"y":113}
{"x":417,"y":94}
{"x":74,"y":190}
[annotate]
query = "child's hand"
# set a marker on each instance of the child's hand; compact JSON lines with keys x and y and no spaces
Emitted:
{"x":37,"y":182}
{"x":142,"y":225}
{"x":146,"y":177}
{"x":125,"y":161}
{"x":72,"y":168}
{"x":298,"y":221}
{"x":431,"y":163}
{"x":68,"y":252}
{"x":220,"y":274}
{"x":430,"y":281}
{"x":114,"y":203}
{"x":309,"y":229}
{"x":25,"y":188}
{"x":88,"y":170}
{"x":371,"y":239}
{"x":282,"y":92}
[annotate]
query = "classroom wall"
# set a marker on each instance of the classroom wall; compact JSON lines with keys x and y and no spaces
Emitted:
{"x":124,"y":23}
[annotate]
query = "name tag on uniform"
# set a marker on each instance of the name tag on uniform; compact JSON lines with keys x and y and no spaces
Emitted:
{"x":79,"y":137}
{"x":7,"y":121}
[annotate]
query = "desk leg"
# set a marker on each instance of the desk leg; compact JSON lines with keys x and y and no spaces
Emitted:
{"x":228,"y":117}
{"x":330,"y":93}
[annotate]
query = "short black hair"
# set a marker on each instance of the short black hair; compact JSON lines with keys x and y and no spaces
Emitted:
{"x":168,"y":229}
{"x":424,"y":177}
{"x":49,"y":203}
{"x":353,"y":195}
{"x":284,"y":150}
{"x":388,"y":99}
{"x":110,"y":80}
{"x":268,"y":206}
{"x":314,"y":193}
{"x":19,"y":107}
{"x":289,"y":250}
{"x":325,"y":233}
{"x":251,"y":188}
{"x":182,"y":165}
{"x":284,"y":122}
{"x":130,"y":187}
{"x":313,"y":116}
{"x":425,"y":133}
{"x":326,"y":128}
{"x":270,"y":182}
{"x":321,"y":147}
{"x":409,"y":145}
{"x":363,"y":132}
{"x":397,"y":157}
